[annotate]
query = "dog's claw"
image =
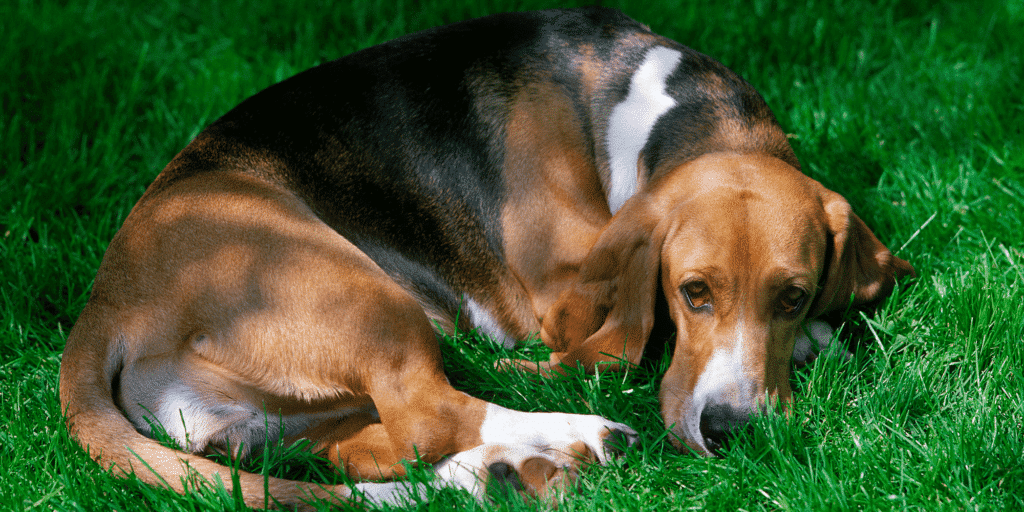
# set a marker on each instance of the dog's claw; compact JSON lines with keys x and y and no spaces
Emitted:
{"x":617,"y":442}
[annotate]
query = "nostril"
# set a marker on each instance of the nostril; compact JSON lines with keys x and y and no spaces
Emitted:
{"x":719,"y":423}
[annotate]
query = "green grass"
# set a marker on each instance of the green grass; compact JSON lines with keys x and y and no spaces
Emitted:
{"x":912,"y":109}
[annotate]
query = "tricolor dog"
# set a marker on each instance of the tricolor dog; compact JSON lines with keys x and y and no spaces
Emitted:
{"x":546,"y":172}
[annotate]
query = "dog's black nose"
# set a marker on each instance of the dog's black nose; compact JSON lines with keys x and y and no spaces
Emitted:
{"x":719,"y":423}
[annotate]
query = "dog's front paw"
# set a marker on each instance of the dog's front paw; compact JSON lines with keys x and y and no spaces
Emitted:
{"x":813,"y":340}
{"x":602,"y":437}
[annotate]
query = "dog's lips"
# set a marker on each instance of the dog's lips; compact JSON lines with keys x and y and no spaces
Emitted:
{"x":683,"y":424}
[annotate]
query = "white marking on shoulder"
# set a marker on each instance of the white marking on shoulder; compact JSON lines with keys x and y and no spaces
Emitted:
{"x":633,"y":119}
{"x":487,"y":324}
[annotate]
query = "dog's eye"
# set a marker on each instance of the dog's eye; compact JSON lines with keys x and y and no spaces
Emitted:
{"x":792,"y":301}
{"x":697,"y":294}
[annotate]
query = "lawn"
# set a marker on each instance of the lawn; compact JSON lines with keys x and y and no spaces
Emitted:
{"x":911,"y":109}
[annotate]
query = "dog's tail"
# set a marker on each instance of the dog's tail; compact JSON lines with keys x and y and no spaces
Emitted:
{"x":88,"y":380}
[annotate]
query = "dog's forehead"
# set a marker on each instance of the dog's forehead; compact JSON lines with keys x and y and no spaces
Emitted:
{"x":719,"y":188}
{"x":745,"y":244}
{"x":752,"y":174}
{"x":754,"y":221}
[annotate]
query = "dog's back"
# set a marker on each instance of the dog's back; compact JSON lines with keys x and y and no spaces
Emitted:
{"x":416,"y":150}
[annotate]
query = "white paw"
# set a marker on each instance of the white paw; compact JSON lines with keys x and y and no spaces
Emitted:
{"x":552,"y":429}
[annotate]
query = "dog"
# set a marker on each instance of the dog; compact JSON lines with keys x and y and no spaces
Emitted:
{"x":522,"y":173}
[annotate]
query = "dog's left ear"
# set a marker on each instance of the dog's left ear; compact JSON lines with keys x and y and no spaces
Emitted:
{"x":857,"y":264}
{"x":608,"y":313}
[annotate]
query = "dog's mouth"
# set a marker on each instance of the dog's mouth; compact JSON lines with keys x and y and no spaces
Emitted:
{"x":696,"y":445}
{"x":714,"y":448}
{"x":705,"y":446}
{"x":685,"y":436}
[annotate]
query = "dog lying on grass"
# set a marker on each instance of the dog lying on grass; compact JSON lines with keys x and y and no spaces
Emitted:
{"x":547,"y":172}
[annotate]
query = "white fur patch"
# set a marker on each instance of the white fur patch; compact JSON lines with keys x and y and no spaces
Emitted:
{"x":724,"y":380}
{"x":633,"y":119}
{"x":466,"y":471}
{"x":547,"y":429}
{"x":511,"y":437}
{"x":195,"y":424}
{"x":487,"y":324}
{"x":394,"y":494}
{"x":189,"y":421}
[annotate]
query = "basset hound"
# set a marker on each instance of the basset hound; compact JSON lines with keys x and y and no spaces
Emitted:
{"x":528,"y":173}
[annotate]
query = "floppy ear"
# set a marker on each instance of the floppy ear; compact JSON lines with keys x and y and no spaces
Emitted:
{"x":857,"y":264}
{"x":608,"y":313}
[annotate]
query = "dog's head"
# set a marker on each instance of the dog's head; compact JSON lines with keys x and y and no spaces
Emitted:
{"x":747,"y":248}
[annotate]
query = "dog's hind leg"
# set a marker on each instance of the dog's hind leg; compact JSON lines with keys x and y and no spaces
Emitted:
{"x":243,"y":317}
